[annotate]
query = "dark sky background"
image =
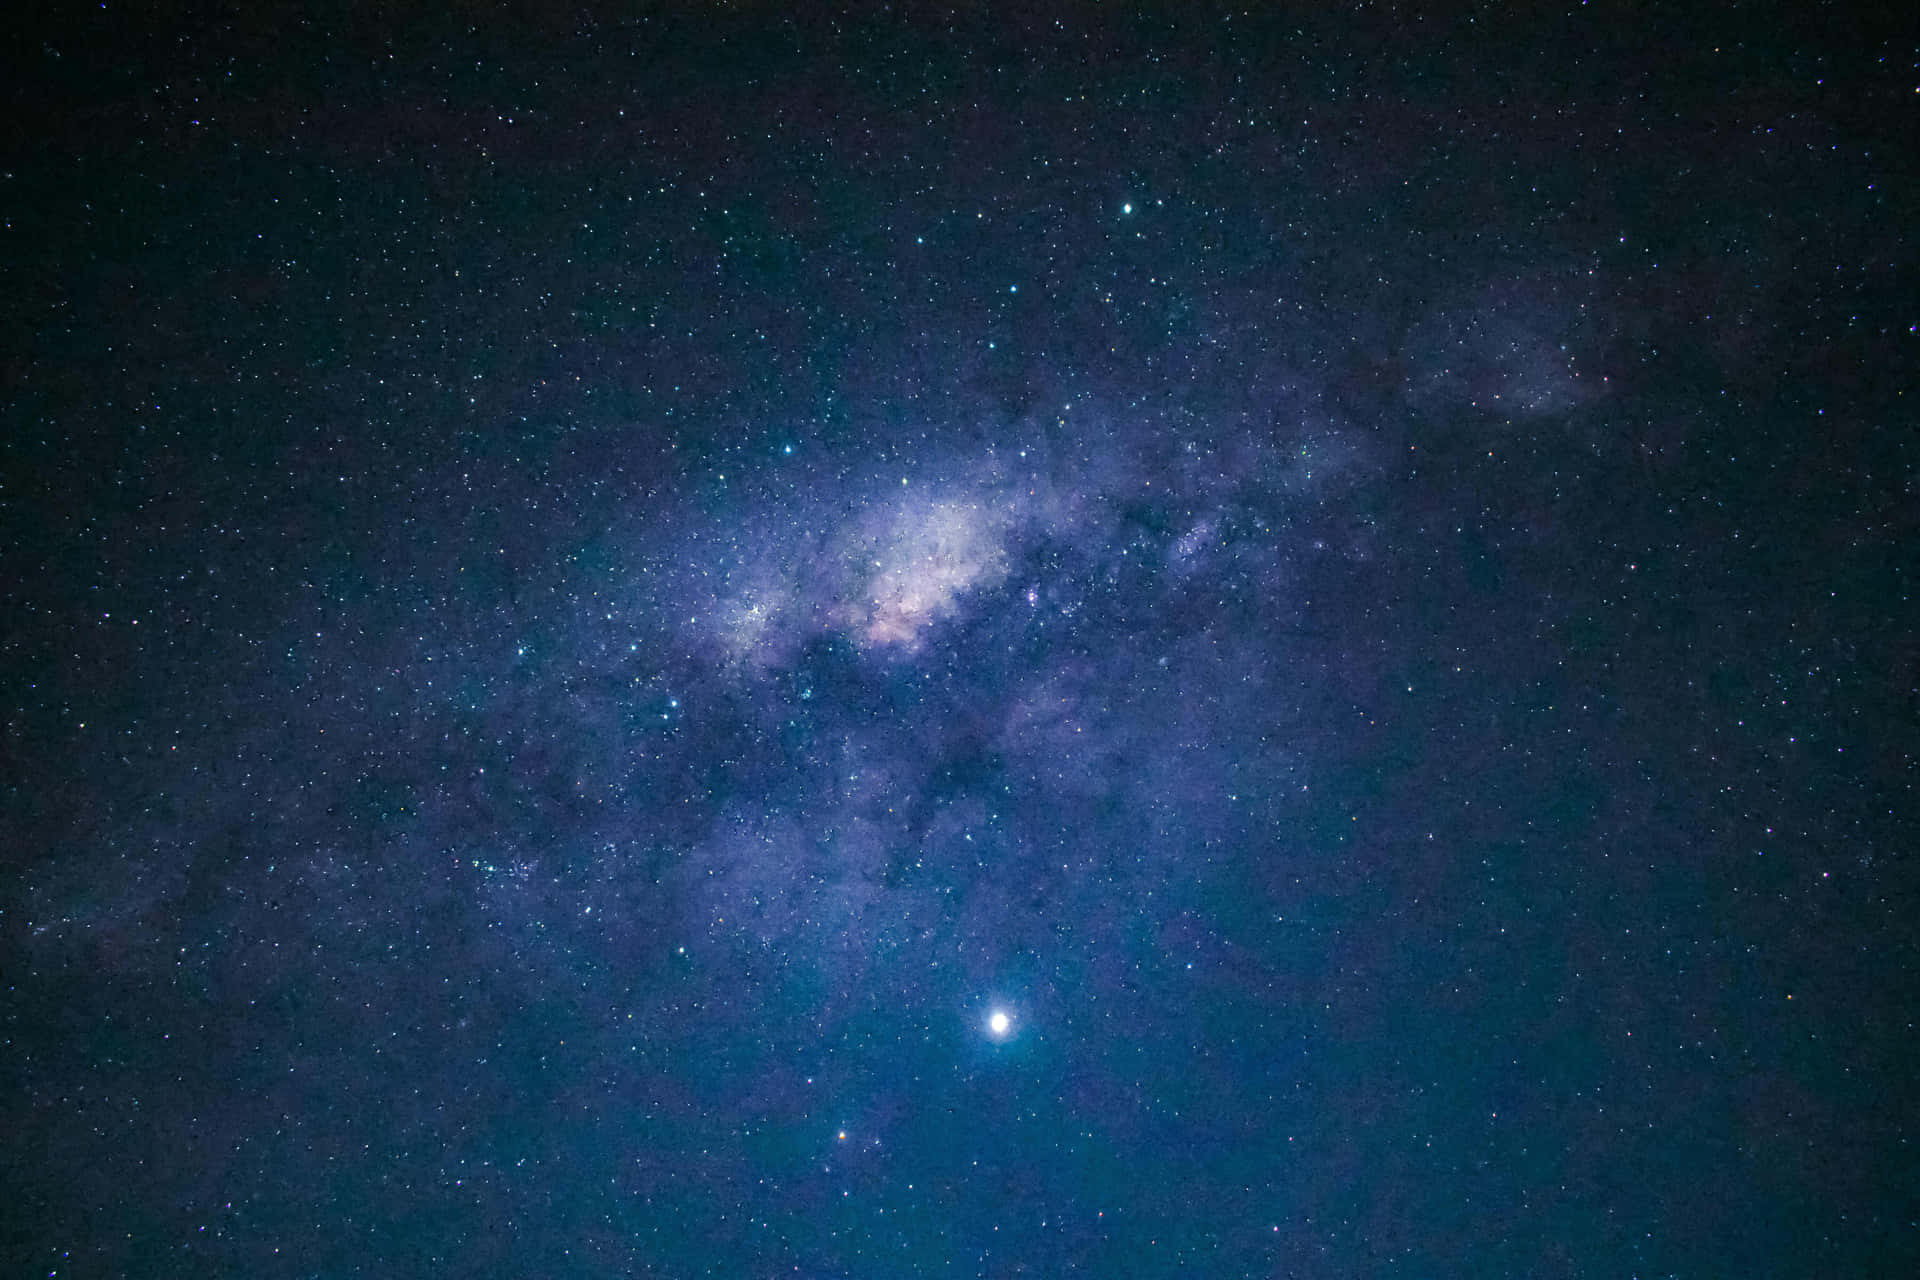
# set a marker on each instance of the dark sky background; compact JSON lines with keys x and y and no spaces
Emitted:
{"x":586,"y":598}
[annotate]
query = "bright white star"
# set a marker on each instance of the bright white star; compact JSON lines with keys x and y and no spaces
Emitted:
{"x":999,"y":1024}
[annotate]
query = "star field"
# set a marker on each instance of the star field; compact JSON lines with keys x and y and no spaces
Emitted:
{"x":920,"y":642}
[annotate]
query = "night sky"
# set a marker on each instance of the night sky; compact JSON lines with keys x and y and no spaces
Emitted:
{"x":930,"y":642}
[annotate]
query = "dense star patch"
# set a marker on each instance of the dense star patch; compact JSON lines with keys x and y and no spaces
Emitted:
{"x":868,"y":645}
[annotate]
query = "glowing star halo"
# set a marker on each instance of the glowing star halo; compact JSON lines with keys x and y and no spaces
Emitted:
{"x":999,"y":1024}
